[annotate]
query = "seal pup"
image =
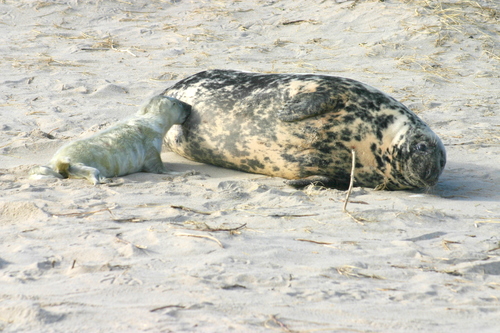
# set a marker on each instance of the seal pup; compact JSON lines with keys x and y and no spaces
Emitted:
{"x":132,"y":145}
{"x":302,"y":127}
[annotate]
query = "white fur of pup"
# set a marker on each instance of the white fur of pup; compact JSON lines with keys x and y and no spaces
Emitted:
{"x":133,"y":145}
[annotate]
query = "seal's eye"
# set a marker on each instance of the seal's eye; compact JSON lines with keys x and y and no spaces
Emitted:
{"x":421,"y":147}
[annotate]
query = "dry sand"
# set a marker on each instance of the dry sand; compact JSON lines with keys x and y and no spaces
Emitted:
{"x":219,"y":250}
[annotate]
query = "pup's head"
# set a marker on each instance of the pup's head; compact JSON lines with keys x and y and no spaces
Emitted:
{"x":171,"y":110}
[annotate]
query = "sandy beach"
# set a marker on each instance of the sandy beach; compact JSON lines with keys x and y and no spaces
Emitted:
{"x":216,"y":250}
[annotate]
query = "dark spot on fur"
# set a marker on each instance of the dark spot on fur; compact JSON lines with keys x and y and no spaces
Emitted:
{"x":383,"y":121}
{"x":331,"y":135}
{"x":348,"y":119}
{"x":254,"y":164}
{"x":346,"y":134}
{"x":380,"y":162}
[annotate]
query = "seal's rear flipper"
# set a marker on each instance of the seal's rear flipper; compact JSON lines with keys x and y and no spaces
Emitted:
{"x":77,"y":170}
{"x":316,"y":180}
{"x":82,"y":171}
{"x":41,"y":172}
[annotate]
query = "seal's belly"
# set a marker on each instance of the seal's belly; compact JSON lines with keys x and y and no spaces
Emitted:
{"x":269,"y":146}
{"x":246,"y":134}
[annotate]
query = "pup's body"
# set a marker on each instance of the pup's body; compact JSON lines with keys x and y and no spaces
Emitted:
{"x":133,"y":145}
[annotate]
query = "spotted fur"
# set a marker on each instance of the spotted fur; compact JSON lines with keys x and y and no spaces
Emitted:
{"x":302,"y":127}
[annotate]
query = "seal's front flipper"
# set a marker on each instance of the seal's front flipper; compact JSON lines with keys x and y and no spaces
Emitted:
{"x":153,"y":163}
{"x":305,"y":105}
{"x":315,"y":180}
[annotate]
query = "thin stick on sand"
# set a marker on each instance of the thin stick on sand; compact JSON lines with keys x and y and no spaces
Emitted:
{"x":202,"y":236}
{"x":82,"y":214}
{"x":278,"y":323}
{"x":312,"y":241}
{"x":191,"y":210}
{"x":209,"y":228}
{"x":121,"y":240}
{"x":351,"y":183}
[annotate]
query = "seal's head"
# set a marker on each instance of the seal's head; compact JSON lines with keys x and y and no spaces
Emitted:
{"x":171,"y":110}
{"x":421,"y":157}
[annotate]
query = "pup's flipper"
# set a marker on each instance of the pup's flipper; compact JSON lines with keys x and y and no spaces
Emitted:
{"x":41,"y":172}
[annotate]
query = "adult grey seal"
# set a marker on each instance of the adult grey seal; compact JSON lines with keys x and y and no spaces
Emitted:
{"x":302,"y":127}
{"x":133,"y":145}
